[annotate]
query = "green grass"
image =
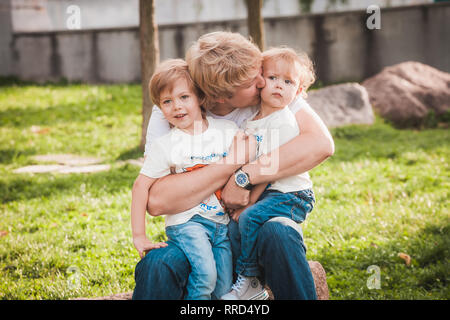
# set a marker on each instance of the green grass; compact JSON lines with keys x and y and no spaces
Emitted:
{"x":385,"y":191}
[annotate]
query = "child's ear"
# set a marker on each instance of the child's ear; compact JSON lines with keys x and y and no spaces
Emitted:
{"x":299,"y":91}
{"x":220,"y":100}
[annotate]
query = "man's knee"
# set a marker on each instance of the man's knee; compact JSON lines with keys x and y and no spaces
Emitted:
{"x":278,"y":230}
{"x":168,"y":259}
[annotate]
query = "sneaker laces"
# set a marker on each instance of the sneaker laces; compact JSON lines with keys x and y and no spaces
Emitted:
{"x":237,"y":286}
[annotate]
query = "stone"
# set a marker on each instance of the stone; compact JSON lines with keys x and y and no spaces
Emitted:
{"x":85,"y":169}
{"x":39,"y":168}
{"x":136,"y":162}
{"x":66,"y":163}
{"x":409,"y":92}
{"x":342,"y":104}
{"x":319,"y":275}
{"x":320,"y":280}
{"x":119,"y":296}
{"x":67,"y":159}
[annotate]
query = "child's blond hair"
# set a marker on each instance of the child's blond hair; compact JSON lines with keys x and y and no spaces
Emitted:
{"x":307,"y":75}
{"x":219,"y":62}
{"x":165,"y":76}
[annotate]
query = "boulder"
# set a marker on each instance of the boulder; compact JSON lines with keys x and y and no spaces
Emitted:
{"x":319,"y":275}
{"x":320,"y":280}
{"x":342,"y":104}
{"x":409,"y":92}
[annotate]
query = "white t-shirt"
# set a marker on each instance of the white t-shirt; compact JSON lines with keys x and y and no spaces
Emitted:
{"x":159,"y":126}
{"x":183,"y":152}
{"x":271,"y":132}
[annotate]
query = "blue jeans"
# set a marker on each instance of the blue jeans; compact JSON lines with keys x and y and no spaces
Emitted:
{"x":163,"y":273}
{"x":206,"y":245}
{"x":271,"y":204}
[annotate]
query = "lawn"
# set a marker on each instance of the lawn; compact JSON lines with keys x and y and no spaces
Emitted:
{"x":384,"y":192}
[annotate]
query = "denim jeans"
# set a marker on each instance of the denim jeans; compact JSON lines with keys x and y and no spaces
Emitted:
{"x":163,"y":273}
{"x":271,"y":204}
{"x":206,"y":245}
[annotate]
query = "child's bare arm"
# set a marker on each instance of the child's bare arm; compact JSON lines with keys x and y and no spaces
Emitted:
{"x":255,"y":193}
{"x":140,"y":190}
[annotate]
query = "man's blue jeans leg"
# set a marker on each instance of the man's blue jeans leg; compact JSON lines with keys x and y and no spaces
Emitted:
{"x":282,"y":258}
{"x":162,"y":275}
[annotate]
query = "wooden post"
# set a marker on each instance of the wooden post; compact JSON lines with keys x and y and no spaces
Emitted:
{"x":255,"y":22}
{"x":148,"y":31}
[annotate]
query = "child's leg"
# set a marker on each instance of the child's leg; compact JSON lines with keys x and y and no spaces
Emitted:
{"x":193,"y":238}
{"x":224,"y":263}
{"x":294,"y":205}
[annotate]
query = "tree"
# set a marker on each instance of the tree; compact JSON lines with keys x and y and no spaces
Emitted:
{"x":255,"y":22}
{"x":148,"y":30}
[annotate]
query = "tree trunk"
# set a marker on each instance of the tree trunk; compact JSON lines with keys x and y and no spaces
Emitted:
{"x":148,"y":30}
{"x":255,"y":22}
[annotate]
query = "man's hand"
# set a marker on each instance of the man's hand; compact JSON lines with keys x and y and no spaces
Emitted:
{"x":233,"y":196}
{"x":242,"y":150}
{"x":143,"y":245}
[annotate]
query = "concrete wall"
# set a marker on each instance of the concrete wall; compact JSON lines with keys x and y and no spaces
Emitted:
{"x":51,"y":15}
{"x":339,"y":43}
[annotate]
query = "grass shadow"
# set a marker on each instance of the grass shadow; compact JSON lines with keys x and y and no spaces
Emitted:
{"x":427,"y":275}
{"x":132,"y":153}
{"x":27,"y":187}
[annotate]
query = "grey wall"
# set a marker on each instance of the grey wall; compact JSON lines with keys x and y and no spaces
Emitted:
{"x":339,"y":43}
{"x":5,"y":39}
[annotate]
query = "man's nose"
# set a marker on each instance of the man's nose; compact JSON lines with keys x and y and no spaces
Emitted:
{"x":260,"y":82}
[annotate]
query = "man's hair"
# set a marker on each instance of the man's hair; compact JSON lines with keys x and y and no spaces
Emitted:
{"x":165,"y":76}
{"x":219,"y":62}
{"x":306,"y":76}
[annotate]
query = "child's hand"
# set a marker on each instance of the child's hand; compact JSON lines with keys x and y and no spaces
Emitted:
{"x":234,"y":214}
{"x":143,"y":245}
{"x":242,"y":150}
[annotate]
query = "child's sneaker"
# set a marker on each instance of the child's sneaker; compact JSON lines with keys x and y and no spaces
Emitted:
{"x":246,"y":288}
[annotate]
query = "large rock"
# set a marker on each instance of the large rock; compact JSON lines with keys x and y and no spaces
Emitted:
{"x":342,"y":104}
{"x":407,"y":93}
{"x":320,"y":281}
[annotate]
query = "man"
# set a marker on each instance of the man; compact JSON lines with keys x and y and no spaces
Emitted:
{"x":227,"y":68}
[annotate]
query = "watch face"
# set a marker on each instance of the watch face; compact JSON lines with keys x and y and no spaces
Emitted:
{"x":241,"y":179}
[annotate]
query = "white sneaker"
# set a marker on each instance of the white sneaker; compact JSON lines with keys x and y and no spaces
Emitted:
{"x":246,"y":288}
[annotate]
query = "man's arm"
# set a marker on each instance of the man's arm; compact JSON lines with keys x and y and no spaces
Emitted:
{"x":179,"y":192}
{"x":311,"y":147}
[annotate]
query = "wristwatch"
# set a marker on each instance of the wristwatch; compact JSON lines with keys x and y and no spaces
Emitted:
{"x":242,"y":179}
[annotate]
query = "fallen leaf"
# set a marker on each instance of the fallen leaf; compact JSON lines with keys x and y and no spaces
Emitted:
{"x":39,"y":130}
{"x":405,"y":257}
{"x":84,"y":214}
{"x":3,"y":233}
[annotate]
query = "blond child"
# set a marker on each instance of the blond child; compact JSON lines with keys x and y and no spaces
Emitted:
{"x":194,"y":141}
{"x":287,"y":75}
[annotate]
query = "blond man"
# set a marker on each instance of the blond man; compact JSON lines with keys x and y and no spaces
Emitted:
{"x":227,"y":67}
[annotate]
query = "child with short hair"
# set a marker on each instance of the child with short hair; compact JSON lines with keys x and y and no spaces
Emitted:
{"x":287,"y":75}
{"x":194,"y":141}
